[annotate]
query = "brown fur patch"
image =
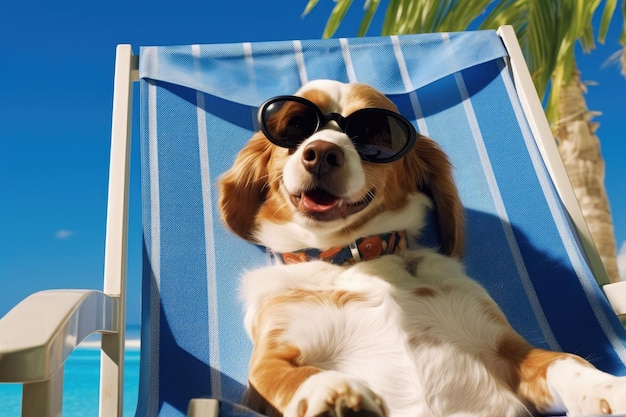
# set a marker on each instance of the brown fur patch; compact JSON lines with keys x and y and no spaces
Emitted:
{"x":321,"y":99}
{"x":425,"y":292}
{"x":250,"y":188}
{"x":274,"y":372}
{"x":337,"y":298}
{"x":427,"y":169}
{"x":243,"y":187}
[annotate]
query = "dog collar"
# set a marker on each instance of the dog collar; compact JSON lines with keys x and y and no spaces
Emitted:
{"x":363,"y":249}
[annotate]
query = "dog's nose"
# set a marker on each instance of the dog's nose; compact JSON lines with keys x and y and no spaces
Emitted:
{"x":320,"y":157}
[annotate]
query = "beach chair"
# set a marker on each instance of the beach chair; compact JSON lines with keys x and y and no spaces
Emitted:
{"x":471,"y":92}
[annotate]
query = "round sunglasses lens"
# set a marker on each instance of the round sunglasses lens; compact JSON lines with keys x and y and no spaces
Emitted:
{"x":288,"y":122}
{"x":378,"y":136}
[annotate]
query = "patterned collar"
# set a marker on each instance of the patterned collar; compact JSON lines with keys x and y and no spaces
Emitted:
{"x":363,"y":249}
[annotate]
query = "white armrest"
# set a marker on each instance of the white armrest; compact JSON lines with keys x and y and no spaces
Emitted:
{"x":203,"y":407}
{"x":38,"y":334}
{"x":211,"y":407}
{"x":616,"y":294}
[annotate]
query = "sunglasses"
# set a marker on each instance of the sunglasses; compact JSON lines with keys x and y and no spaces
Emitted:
{"x":379,"y":135}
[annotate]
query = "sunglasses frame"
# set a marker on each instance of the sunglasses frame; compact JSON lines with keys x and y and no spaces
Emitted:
{"x":342,"y":122}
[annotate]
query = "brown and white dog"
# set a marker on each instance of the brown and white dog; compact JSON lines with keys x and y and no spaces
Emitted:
{"x":404,"y":334}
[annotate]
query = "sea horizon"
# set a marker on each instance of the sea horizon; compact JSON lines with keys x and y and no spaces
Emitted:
{"x":133,"y":339}
{"x":82,"y":379}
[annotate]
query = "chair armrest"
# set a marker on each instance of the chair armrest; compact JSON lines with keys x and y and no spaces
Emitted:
{"x":211,"y":407}
{"x":616,"y":294}
{"x":39,"y":333}
{"x":203,"y":407}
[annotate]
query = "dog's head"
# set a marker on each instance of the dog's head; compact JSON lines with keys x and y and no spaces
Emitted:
{"x":333,"y":163}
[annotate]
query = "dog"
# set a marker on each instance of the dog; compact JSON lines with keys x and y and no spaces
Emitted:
{"x":353,"y":320}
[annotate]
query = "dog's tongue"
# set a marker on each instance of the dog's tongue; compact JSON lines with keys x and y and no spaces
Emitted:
{"x":319,"y":201}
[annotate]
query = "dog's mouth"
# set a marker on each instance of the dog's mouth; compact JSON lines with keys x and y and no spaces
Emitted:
{"x":323,"y":205}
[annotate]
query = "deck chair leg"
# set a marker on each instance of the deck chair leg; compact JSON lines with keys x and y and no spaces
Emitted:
{"x":44,"y":398}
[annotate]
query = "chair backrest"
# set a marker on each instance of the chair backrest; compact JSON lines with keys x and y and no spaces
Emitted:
{"x":198,"y":109}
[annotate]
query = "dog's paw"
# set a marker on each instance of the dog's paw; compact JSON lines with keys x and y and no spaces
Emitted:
{"x":603,"y":397}
{"x":332,"y":394}
{"x":585,"y":391}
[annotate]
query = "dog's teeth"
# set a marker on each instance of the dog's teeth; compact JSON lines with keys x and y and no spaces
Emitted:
{"x":340,"y":203}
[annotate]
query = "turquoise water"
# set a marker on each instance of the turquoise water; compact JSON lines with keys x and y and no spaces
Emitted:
{"x":80,"y":386}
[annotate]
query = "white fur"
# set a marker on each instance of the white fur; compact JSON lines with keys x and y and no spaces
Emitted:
{"x":388,"y":342}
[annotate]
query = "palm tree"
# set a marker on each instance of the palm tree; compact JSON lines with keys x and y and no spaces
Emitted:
{"x":548,"y":32}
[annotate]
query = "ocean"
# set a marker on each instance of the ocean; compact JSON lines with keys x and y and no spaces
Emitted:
{"x":82,"y":378}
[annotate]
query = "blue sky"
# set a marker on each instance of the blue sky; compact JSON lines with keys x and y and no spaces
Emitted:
{"x":56,"y":66}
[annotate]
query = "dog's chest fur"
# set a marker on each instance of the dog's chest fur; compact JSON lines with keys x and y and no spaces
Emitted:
{"x":398,"y":323}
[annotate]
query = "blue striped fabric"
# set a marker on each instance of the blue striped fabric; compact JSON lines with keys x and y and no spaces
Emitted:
{"x":198,"y":109}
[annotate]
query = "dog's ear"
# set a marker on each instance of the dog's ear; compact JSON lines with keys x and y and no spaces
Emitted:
{"x":431,"y":167}
{"x":243,"y":187}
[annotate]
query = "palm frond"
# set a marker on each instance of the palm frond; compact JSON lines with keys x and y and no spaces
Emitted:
{"x":370,"y":10}
{"x":309,"y":6}
{"x":584,"y":15}
{"x":607,"y":16}
{"x":336,"y":16}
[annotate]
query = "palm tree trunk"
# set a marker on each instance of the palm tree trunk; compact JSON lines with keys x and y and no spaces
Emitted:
{"x":580,"y":150}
